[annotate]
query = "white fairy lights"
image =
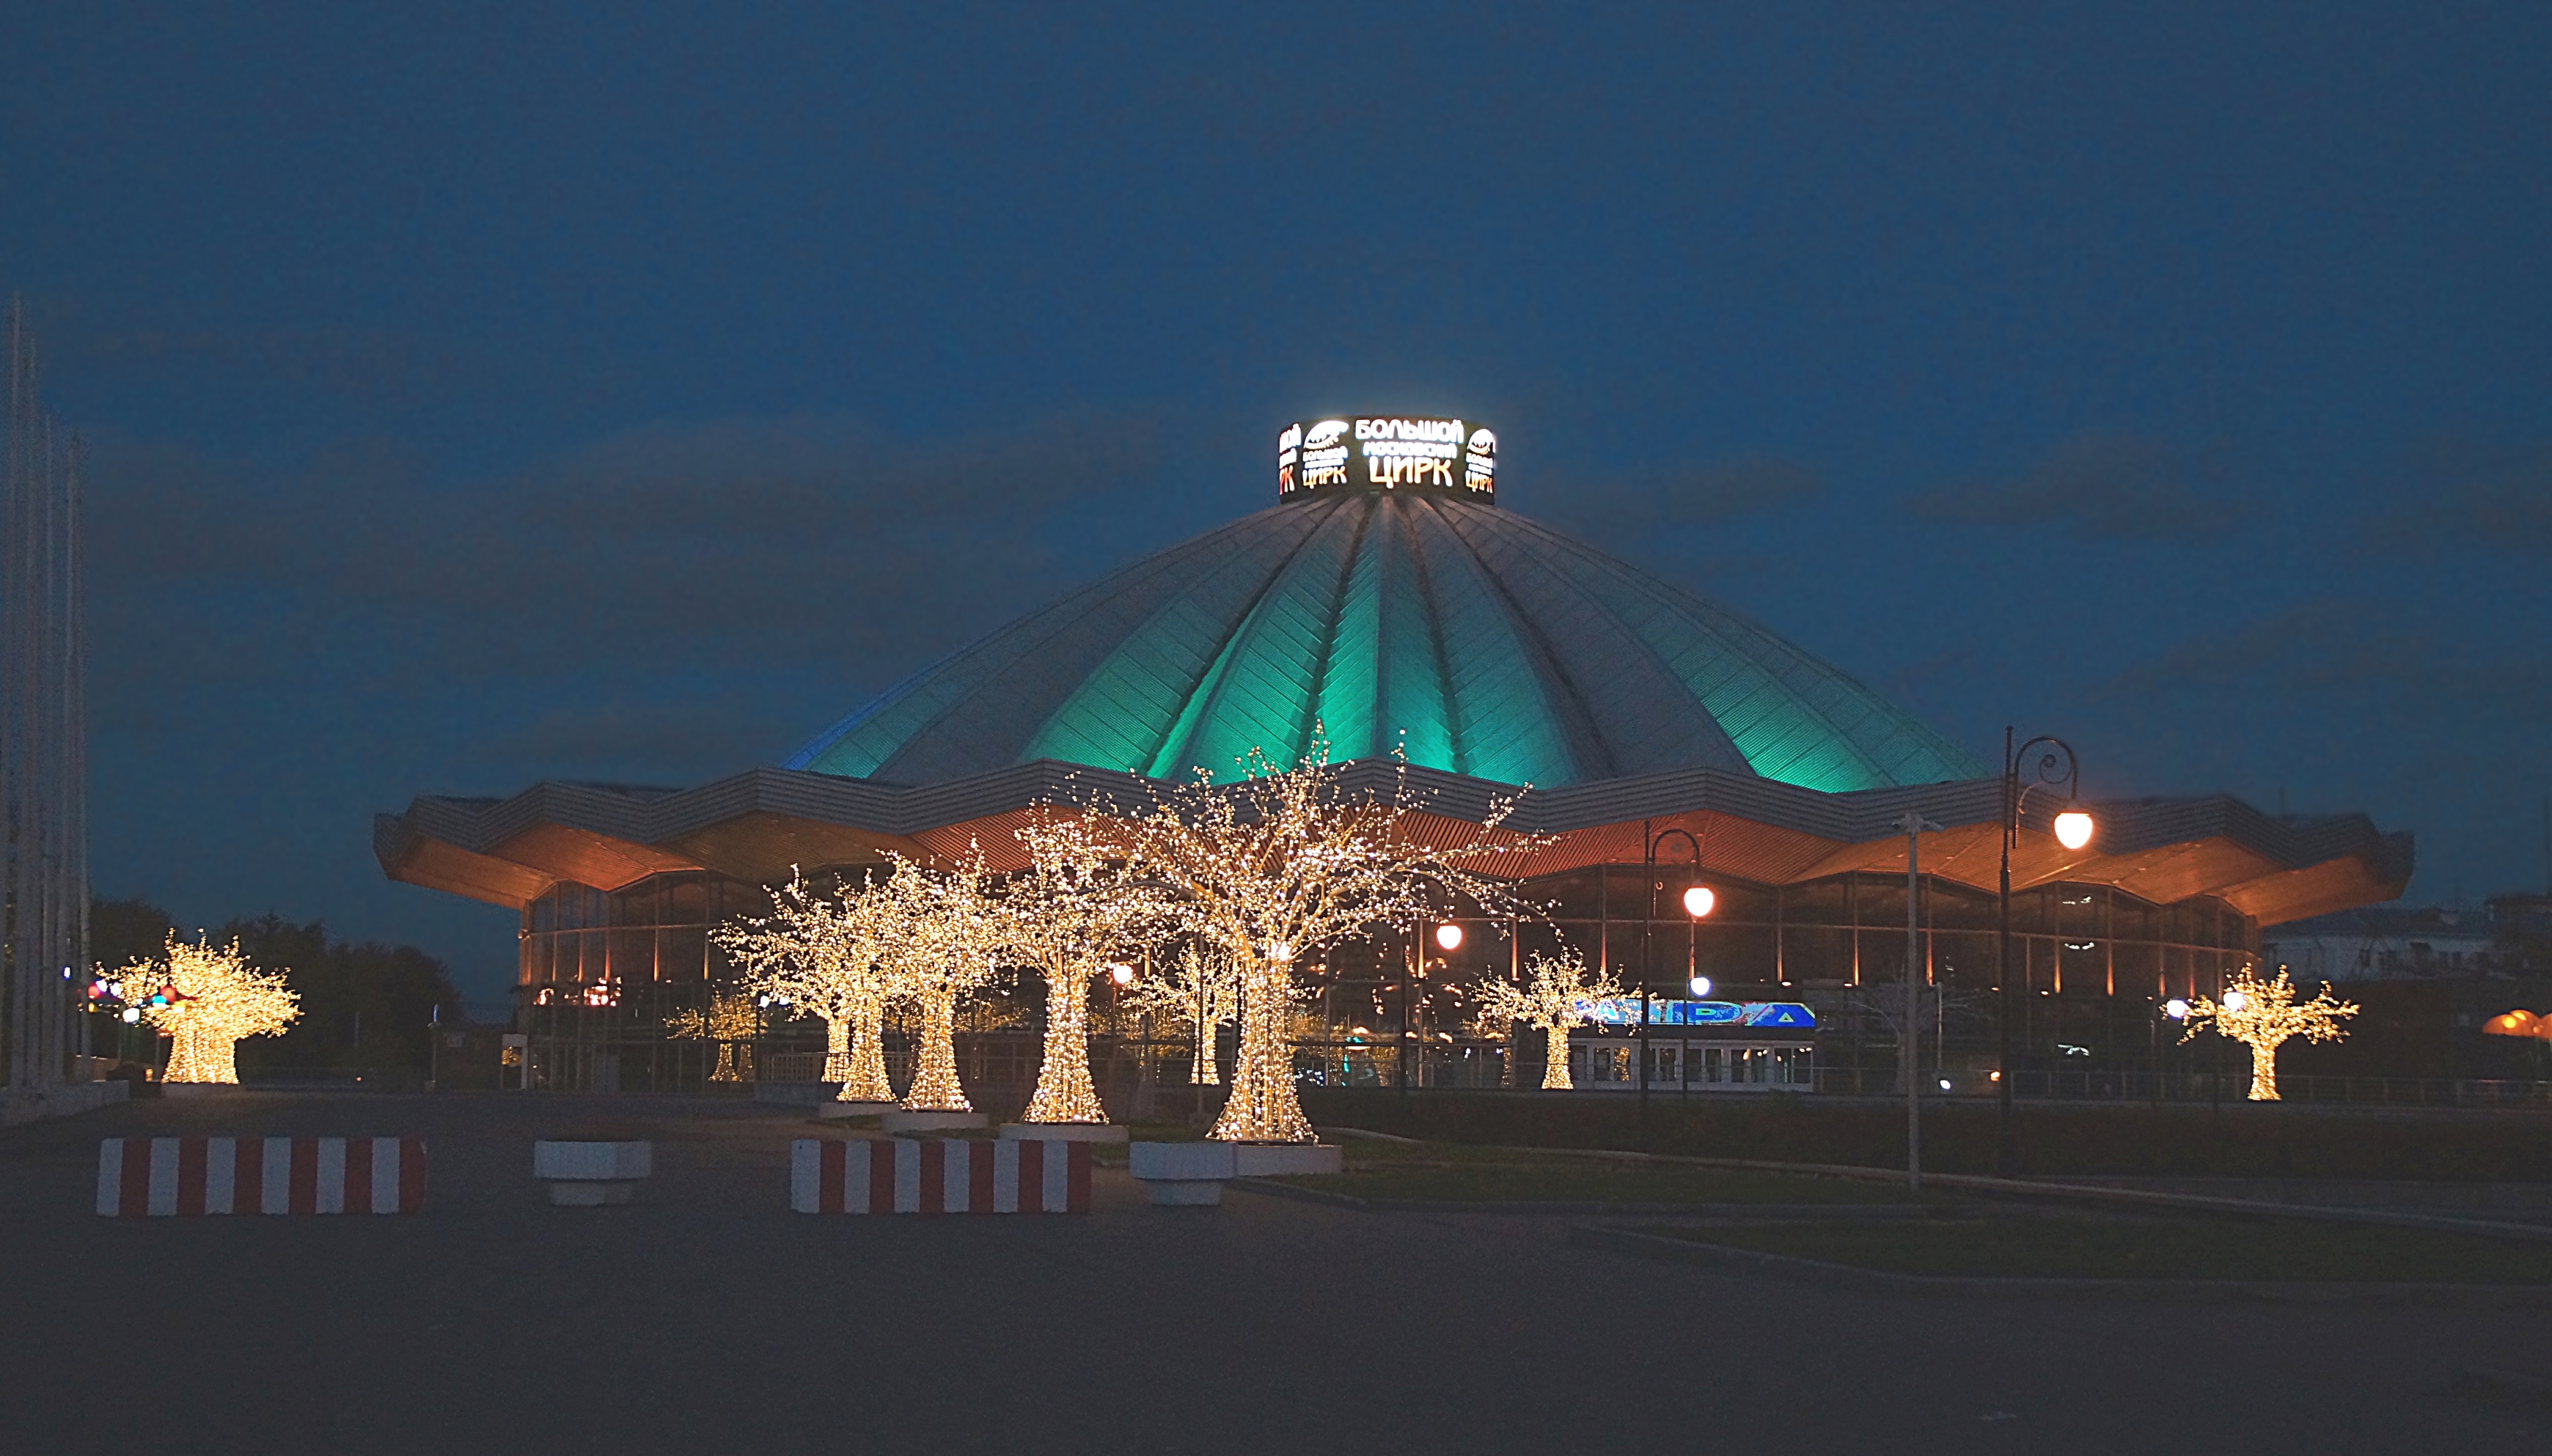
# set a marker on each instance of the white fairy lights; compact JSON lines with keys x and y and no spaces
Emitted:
{"x":1070,"y":917}
{"x":1284,"y":864}
{"x":732,"y":1022}
{"x":823,"y":956}
{"x":945,"y":933}
{"x":1201,"y":993}
{"x":1558,"y":996}
{"x":2261,"y":1014}
{"x":204,"y":999}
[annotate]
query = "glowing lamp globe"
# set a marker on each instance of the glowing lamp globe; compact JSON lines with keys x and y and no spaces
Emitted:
{"x":1697,"y":902}
{"x":2235,"y":1000}
{"x":2176,"y":1009}
{"x":1701,"y":986}
{"x":2073,"y":829}
{"x":1449,"y":936}
{"x":1121,"y":973}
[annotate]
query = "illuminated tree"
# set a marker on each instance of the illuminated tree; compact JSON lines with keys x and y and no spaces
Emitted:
{"x":1558,"y":996}
{"x":731,"y":1021}
{"x":2261,"y":1015}
{"x":943,"y":933}
{"x":1283,"y":863}
{"x":823,"y":956}
{"x":204,"y":999}
{"x":1068,"y":917}
{"x":1201,"y":993}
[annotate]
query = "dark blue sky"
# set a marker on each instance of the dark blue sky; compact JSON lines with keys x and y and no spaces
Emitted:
{"x":516,"y":394}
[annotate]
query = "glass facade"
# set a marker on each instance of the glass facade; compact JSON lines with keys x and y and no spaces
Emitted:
{"x":601,"y":971}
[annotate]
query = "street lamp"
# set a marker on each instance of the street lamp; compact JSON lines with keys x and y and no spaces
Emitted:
{"x":1449,"y":936}
{"x":1910,"y":1045}
{"x":1698,"y":901}
{"x":2054,"y":764}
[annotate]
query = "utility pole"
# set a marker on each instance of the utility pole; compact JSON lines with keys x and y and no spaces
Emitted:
{"x":1911,"y":1044}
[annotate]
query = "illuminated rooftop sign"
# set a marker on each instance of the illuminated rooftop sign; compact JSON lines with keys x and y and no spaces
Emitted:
{"x":1387,"y":453}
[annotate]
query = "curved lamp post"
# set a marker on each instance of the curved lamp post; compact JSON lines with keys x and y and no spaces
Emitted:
{"x":1698,"y":901}
{"x":1412,"y":1037}
{"x":2054,"y":765}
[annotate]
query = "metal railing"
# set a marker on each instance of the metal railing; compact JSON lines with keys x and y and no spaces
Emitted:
{"x":2089,"y":1086}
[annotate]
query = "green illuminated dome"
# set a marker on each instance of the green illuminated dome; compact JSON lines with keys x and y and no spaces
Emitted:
{"x":1477,"y":641}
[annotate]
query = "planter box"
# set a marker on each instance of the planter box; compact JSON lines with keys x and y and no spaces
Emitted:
{"x":829,"y":1109}
{"x":910,"y":1175}
{"x":583,"y":1174}
{"x":1062,"y":1132}
{"x":1182,"y":1175}
{"x":911,"y":1119}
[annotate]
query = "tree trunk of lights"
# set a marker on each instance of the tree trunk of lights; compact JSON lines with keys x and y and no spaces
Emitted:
{"x":2264,"y":1073}
{"x":935,"y":1082}
{"x":1264,"y":1106}
{"x":1555,"y":1059}
{"x":865,"y":1079}
{"x":1204,"y":1073}
{"x":1063,"y":1090}
{"x":837,"y":1052}
{"x":201,"y":1057}
{"x":725,"y":1069}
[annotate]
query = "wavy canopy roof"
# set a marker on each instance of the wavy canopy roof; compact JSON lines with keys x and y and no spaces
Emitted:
{"x":1479,"y":642}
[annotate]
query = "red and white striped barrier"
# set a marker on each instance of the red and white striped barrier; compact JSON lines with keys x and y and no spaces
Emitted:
{"x":901,"y":1174}
{"x":158,"y":1177}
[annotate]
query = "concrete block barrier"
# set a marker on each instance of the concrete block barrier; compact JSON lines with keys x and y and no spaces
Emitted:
{"x":938,"y":1175}
{"x":165,"y":1177}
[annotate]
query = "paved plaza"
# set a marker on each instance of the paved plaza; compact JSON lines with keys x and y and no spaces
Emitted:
{"x":708,"y":1318}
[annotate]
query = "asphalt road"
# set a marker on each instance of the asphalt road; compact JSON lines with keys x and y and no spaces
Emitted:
{"x":707,"y":1319}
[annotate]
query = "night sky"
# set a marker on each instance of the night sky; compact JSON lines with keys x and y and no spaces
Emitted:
{"x":516,"y":395}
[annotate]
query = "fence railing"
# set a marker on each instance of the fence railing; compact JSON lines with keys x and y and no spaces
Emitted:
{"x":2205,"y":1087}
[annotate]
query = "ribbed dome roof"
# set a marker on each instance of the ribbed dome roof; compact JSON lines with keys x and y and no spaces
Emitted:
{"x":1478,"y":641}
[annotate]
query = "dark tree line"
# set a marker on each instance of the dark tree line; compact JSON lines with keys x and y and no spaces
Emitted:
{"x":365,"y":1007}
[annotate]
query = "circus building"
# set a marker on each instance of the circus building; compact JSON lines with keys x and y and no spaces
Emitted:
{"x":1385,"y":599}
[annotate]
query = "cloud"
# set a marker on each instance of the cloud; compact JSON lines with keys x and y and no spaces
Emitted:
{"x":582,"y":740}
{"x":2387,"y":659}
{"x":1696,"y":495}
{"x":2454,"y":495}
{"x":2101,"y":487}
{"x":749,"y":541}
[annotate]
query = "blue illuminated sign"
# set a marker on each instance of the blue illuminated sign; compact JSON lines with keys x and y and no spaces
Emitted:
{"x":1625,"y":1011}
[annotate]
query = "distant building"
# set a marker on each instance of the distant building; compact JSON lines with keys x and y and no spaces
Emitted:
{"x":2415,"y":942}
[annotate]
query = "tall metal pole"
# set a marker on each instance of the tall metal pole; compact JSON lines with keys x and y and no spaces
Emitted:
{"x":2006,"y":1135}
{"x":1648,"y":922}
{"x":1911,"y":1044}
{"x":2054,"y":765}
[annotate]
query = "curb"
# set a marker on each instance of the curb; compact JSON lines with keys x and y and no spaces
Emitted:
{"x":1728,"y":1259}
{"x":2088,"y":1192}
{"x":1724,"y":1212}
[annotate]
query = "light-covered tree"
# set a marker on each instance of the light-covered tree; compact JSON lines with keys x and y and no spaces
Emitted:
{"x":823,"y":956}
{"x":1284,"y":864}
{"x":943,"y":936}
{"x":1559,"y":995}
{"x":1068,"y":917}
{"x":204,"y":997}
{"x":732,"y":1022}
{"x":1201,"y":993}
{"x":2263,"y":1015}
